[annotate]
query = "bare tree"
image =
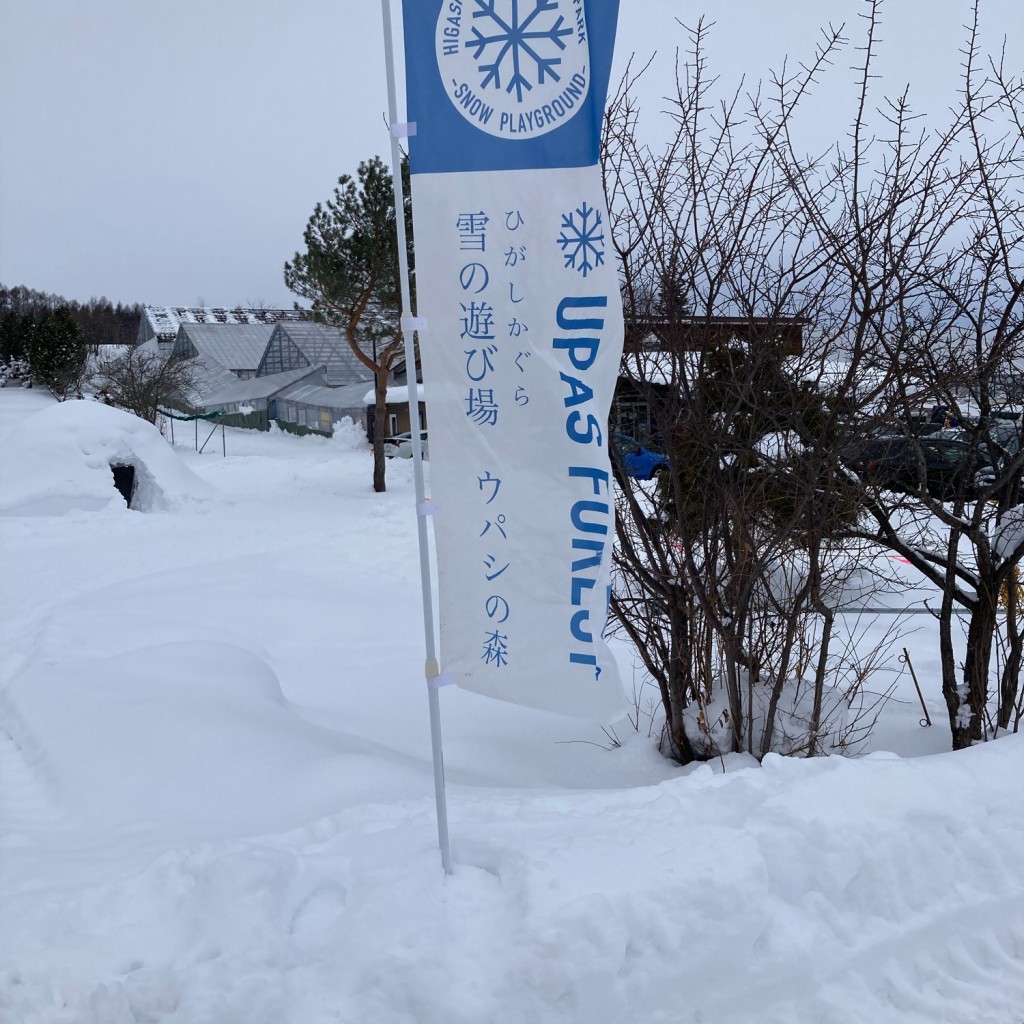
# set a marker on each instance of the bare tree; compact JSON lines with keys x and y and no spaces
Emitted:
{"x":927,"y":235}
{"x":728,"y":574}
{"x":900,"y":256}
{"x":141,"y":382}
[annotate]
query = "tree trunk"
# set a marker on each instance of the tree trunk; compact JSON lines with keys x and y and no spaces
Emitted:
{"x":947,"y":658}
{"x":980,"y":631}
{"x":827,"y":622}
{"x":1010,"y":682}
{"x":380,"y":402}
{"x":732,"y":689}
{"x":679,"y":675}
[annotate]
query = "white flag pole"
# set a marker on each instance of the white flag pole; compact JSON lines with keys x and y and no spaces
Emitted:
{"x":431,"y":669}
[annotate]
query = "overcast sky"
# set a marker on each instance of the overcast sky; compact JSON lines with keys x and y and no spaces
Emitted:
{"x":171,"y":152}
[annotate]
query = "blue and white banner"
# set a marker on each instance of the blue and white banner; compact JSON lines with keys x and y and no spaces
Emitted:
{"x":516,"y":280}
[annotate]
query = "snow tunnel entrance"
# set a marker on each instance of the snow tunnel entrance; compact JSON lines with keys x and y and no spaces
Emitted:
{"x":124,"y":481}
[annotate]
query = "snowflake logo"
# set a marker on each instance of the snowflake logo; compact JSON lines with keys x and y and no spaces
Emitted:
{"x":517,"y":42}
{"x":514,"y":68}
{"x":582,"y":239}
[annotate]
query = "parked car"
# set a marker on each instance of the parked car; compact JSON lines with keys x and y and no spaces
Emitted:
{"x":638,"y":462}
{"x":946,"y":464}
{"x":1002,"y":430}
{"x":867,"y":454}
{"x":400,"y":446}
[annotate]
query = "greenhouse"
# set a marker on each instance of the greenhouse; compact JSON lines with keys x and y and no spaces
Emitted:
{"x":306,"y":378}
{"x":245,"y":403}
{"x":307,"y":406}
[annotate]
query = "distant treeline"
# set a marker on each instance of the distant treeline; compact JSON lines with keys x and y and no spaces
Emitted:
{"x":99,"y":320}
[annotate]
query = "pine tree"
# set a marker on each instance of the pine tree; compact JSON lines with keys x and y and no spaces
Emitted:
{"x":349,"y":272}
{"x":14,"y":332}
{"x":58,"y":353}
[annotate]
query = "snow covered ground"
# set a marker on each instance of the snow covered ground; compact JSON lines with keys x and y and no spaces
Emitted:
{"x":216,"y":802}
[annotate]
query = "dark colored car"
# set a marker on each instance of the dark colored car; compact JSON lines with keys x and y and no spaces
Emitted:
{"x":1005,"y":433}
{"x":638,"y":462}
{"x":946,"y":464}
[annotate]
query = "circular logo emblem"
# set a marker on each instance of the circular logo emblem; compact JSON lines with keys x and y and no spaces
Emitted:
{"x":515,"y":69}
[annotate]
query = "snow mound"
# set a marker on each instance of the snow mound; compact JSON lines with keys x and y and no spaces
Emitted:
{"x":61,"y":459}
{"x":195,"y":727}
{"x":349,"y":436}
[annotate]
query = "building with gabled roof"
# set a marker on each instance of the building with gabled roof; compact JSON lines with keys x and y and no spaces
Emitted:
{"x":396,"y":408}
{"x":307,"y":378}
{"x":298,"y":400}
{"x":657,"y":346}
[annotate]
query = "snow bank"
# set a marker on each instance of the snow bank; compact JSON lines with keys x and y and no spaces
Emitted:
{"x":804,"y":892}
{"x":60,"y":459}
{"x":349,"y":435}
{"x":187,"y":730}
{"x":181,"y":844}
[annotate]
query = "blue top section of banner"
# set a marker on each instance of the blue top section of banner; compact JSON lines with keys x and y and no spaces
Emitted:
{"x":506,"y":84}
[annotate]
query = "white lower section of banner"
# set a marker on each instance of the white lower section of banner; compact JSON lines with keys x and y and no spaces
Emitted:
{"x":515,"y":277}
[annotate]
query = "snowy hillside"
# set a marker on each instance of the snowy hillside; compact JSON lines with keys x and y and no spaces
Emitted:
{"x":216,"y":799}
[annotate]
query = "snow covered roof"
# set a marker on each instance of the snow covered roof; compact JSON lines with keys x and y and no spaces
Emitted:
{"x":651,"y":366}
{"x":398,"y":394}
{"x":162,"y":322}
{"x":105,"y":353}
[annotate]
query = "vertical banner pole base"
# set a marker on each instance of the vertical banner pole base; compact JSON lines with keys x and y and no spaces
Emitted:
{"x":440,"y":798}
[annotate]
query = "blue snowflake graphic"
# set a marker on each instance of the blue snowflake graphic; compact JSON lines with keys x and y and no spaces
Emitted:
{"x":582,"y":239}
{"x":518,"y":42}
